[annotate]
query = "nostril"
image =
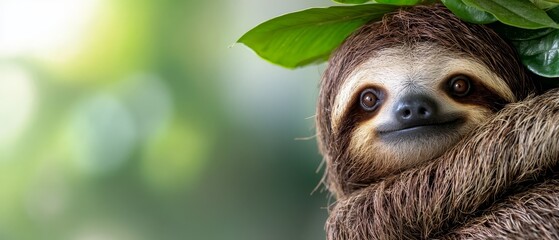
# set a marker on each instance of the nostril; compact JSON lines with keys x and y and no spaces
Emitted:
{"x":406,"y":113}
{"x":415,"y":109}
{"x":423,"y":111}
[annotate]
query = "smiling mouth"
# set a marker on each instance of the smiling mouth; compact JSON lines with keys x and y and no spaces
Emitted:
{"x":421,"y":130}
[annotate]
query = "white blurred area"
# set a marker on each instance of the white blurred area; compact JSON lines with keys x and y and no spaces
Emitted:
{"x":47,"y":30}
{"x":17,"y":103}
{"x":44,"y":28}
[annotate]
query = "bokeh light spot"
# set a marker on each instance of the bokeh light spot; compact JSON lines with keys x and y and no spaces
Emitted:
{"x":150,"y":102}
{"x":104,"y":134}
{"x":175,"y":158}
{"x":105,"y":230}
{"x":48,"y":196}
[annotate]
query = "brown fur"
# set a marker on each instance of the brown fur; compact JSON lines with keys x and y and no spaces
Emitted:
{"x":534,"y":214}
{"x":433,"y":24}
{"x":484,"y":186}
{"x":428,"y":201}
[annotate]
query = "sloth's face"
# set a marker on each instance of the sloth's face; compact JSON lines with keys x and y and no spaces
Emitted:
{"x":411,"y":104}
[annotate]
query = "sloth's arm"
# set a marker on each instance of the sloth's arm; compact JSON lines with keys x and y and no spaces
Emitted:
{"x":519,"y":144}
{"x":533,"y":214}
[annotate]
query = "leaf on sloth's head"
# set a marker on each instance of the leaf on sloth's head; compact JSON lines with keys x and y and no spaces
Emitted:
{"x":351,"y":1}
{"x":538,"y":49}
{"x":518,"y":13}
{"x":309,"y":36}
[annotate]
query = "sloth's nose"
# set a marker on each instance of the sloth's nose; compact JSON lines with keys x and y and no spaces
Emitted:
{"x":415,"y":109}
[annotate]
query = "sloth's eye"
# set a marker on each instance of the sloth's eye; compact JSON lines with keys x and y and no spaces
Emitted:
{"x":369,"y":100}
{"x":459,"y":85}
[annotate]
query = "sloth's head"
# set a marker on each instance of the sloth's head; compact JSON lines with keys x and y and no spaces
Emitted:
{"x":402,"y":91}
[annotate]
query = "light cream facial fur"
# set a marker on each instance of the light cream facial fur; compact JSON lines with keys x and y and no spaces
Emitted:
{"x":402,"y":71}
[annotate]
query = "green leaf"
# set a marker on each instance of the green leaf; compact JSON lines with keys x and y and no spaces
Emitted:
{"x":541,"y":55}
{"x":553,"y":13}
{"x":351,"y":1}
{"x":309,"y":36}
{"x":399,"y":2}
{"x":538,"y":49}
{"x":467,"y":13}
{"x":544,"y":4}
{"x":518,"y":13}
{"x":519,"y":34}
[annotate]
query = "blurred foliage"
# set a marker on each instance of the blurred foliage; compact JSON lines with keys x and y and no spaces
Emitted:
{"x":124,"y":119}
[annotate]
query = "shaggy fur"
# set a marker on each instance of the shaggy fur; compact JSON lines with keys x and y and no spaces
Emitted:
{"x":537,"y":209}
{"x":496,"y":183}
{"x":518,"y":147}
{"x":420,"y":24}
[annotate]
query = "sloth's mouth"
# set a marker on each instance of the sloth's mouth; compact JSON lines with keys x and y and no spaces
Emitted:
{"x":447,"y":128}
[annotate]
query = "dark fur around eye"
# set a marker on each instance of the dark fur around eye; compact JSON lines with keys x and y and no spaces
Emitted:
{"x":470,"y":90}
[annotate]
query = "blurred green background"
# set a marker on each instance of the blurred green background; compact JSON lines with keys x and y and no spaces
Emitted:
{"x":125,"y":120}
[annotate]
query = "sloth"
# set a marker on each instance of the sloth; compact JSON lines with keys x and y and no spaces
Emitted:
{"x":430,"y":127}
